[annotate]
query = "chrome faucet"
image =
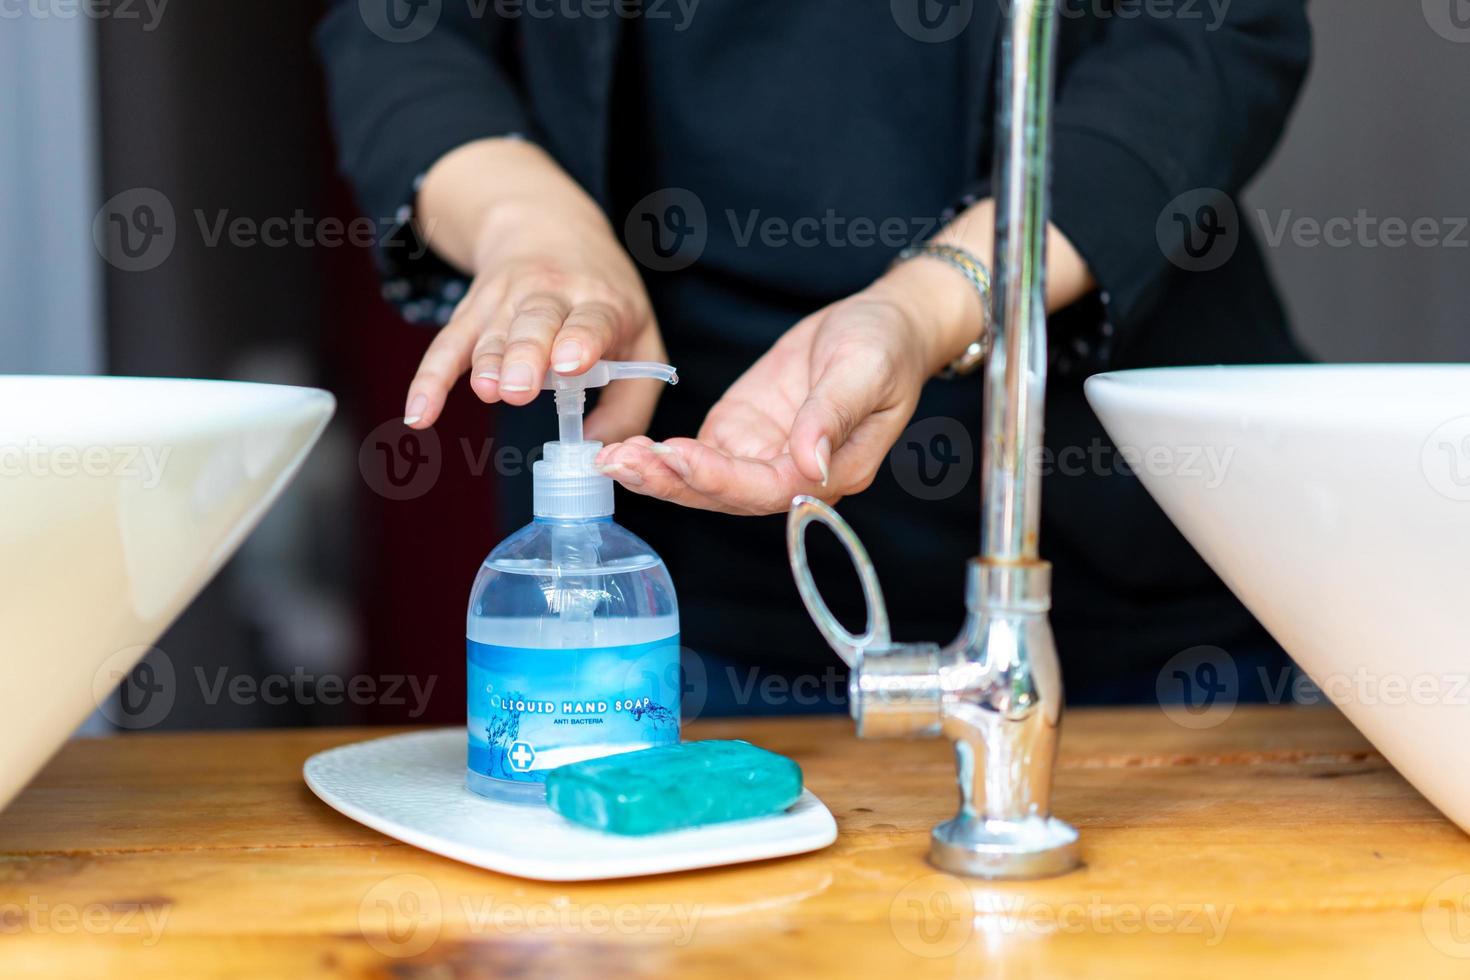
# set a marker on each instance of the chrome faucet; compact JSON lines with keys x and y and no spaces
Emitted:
{"x":996,"y":690}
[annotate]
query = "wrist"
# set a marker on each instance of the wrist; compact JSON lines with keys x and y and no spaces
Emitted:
{"x":944,"y":306}
{"x":511,"y":228}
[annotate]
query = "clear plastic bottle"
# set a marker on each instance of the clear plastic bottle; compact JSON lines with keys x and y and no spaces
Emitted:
{"x":573,"y":627}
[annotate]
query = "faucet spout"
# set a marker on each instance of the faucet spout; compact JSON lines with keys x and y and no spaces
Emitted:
{"x":996,"y":691}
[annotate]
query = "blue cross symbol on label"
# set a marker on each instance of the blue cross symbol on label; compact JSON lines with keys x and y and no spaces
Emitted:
{"x":521,"y":756}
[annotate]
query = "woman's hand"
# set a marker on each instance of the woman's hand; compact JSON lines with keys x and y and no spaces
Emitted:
{"x":818,"y":412}
{"x":552,"y":287}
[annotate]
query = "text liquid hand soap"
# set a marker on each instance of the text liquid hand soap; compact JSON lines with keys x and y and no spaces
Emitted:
{"x":573,"y":627}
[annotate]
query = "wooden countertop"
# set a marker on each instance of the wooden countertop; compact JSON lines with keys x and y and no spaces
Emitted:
{"x":1274,"y":844}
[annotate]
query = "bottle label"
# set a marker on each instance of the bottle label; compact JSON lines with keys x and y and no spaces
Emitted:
{"x":533,"y":709}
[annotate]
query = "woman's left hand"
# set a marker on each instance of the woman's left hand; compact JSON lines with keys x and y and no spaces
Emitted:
{"x":819,"y":411}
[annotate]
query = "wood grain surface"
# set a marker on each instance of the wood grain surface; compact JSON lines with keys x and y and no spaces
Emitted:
{"x":1274,"y":844}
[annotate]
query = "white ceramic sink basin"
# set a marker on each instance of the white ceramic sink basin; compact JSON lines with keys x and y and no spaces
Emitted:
{"x":119,"y":499}
{"x":1335,"y":502}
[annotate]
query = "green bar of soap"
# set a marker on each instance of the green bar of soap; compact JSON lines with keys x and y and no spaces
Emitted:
{"x":671,"y":787}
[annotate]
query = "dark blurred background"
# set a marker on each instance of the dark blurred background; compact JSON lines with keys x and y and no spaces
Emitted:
{"x":363,"y":569}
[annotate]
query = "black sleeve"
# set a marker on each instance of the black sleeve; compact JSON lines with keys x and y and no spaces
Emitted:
{"x":401,"y":95}
{"x":400,"y":102}
{"x":1153,"y":106}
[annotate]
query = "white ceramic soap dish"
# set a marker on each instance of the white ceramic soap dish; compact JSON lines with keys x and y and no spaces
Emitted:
{"x":411,"y":787}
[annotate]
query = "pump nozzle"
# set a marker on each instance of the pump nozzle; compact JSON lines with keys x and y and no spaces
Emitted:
{"x":566,"y":482}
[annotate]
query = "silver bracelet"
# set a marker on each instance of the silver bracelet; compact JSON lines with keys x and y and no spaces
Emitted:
{"x":975,"y":271}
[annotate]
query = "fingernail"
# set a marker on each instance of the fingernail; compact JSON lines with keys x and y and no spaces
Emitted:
{"x":824,"y":458}
{"x":489,"y":375}
{"x":517,"y":378}
{"x":621,"y":473}
{"x":673,"y":458}
{"x":566,"y":357}
{"x":416,"y":410}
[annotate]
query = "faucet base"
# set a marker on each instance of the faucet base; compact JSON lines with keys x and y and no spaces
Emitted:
{"x":1035,"y":848}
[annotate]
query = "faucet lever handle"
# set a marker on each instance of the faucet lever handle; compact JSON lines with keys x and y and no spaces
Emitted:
{"x":806,"y":510}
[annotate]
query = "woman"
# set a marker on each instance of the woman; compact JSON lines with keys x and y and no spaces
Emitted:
{"x":728,"y":184}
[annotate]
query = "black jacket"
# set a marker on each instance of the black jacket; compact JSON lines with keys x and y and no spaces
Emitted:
{"x":1157,"y":118}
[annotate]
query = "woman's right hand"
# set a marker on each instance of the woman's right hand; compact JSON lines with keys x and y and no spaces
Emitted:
{"x":551,"y":288}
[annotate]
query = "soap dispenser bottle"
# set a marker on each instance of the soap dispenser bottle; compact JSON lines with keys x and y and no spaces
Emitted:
{"x":573,"y":627}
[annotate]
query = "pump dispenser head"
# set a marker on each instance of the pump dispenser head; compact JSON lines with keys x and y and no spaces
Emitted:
{"x":566,"y":482}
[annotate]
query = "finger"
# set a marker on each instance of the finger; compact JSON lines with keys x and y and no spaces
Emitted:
{"x":737,"y":485}
{"x":485,"y":361}
{"x":637,"y":468}
{"x":844,"y":395}
{"x":528,"y":346}
{"x":589,"y":330}
{"x":445,"y":360}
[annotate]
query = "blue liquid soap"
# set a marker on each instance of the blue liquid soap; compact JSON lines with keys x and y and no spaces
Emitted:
{"x":573,"y":625}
